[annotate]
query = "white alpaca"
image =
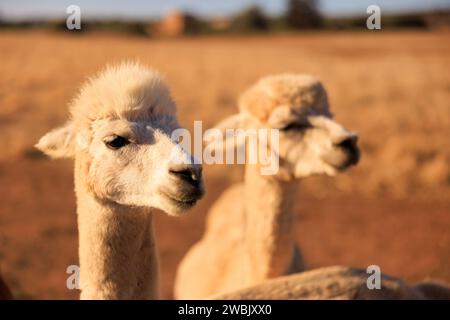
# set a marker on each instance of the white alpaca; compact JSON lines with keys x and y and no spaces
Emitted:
{"x":337,"y":282}
{"x":250,"y":234}
{"x":125,"y":165}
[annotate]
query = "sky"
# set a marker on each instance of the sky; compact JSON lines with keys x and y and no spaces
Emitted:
{"x":141,"y":9}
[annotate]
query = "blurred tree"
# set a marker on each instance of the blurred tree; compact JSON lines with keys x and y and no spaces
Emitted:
{"x":251,"y":19}
{"x":303,"y":14}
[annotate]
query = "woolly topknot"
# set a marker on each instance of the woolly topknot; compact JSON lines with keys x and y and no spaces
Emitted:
{"x":125,"y":91}
{"x":302,"y":93}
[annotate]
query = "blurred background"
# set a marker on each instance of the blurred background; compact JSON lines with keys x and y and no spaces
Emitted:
{"x":392,"y":86}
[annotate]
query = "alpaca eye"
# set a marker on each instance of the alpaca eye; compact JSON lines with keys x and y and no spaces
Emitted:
{"x":117,"y":142}
{"x":296,"y":126}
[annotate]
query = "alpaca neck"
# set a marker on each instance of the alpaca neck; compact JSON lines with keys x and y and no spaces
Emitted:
{"x":117,"y":250}
{"x":269,"y":224}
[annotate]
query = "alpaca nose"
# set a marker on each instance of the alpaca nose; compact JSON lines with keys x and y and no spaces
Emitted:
{"x":349,"y":144}
{"x":191,"y":174}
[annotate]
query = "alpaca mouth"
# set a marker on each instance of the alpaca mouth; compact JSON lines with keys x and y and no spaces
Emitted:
{"x":343,"y":159}
{"x":181,"y":202}
{"x":345,"y":164}
{"x":352,"y":159}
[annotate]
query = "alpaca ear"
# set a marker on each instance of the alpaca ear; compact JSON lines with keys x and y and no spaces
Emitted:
{"x":238,"y":120}
{"x":59,"y":143}
{"x":221,"y":136}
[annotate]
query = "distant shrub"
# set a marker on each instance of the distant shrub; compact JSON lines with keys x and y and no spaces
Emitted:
{"x":251,"y":19}
{"x":135,"y":28}
{"x":405,"y":21}
{"x":303,"y":14}
{"x":387,"y":22}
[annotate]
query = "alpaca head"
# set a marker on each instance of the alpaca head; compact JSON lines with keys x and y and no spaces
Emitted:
{"x":310,"y":142}
{"x":120,"y":137}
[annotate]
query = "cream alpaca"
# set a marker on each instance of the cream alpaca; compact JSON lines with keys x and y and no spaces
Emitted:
{"x":250,"y":230}
{"x":343,"y":283}
{"x":119,"y":136}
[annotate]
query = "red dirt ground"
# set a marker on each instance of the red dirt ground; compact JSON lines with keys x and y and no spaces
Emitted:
{"x":391,"y":87}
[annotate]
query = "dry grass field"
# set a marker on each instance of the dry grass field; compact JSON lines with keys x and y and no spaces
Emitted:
{"x":393,"y":88}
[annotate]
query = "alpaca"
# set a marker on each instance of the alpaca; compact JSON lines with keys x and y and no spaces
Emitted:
{"x":337,"y":282}
{"x":250,"y":233}
{"x":126,"y":165}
